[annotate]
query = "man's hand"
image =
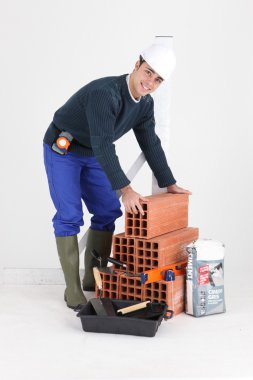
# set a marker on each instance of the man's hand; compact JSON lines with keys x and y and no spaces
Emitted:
{"x":131,"y":200}
{"x":174,"y":189}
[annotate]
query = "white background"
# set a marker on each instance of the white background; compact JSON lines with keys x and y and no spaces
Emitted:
{"x":49,"y":49}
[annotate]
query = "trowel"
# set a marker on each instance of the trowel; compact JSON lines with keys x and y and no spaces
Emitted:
{"x":102,"y":306}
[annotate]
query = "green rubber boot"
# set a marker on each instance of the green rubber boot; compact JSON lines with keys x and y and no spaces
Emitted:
{"x":101,"y":241}
{"x":69,"y":258}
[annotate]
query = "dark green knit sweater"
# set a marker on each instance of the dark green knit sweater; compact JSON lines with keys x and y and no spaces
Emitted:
{"x":99,"y":114}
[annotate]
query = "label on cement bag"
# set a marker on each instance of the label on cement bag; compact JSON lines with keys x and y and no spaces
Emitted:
{"x":205,"y":278}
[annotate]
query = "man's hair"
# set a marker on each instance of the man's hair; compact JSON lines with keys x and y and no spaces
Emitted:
{"x":142,"y":60}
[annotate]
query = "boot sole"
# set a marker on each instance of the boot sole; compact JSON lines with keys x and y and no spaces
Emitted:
{"x":75,"y":308}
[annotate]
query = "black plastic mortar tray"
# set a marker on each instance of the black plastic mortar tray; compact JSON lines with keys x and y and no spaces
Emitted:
{"x":143,"y":324}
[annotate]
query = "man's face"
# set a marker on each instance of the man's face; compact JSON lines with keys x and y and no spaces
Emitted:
{"x":144,"y":80}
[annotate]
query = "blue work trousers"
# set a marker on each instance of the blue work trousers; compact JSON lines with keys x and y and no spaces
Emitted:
{"x":73,"y":178}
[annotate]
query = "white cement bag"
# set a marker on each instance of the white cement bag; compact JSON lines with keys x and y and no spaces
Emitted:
{"x":205,"y":278}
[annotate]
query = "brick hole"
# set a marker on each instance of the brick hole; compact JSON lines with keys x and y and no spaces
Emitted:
{"x":117,"y":248}
{"x":140,"y":261}
{"x":129,"y":231}
{"x":124,"y":241}
{"x":137,"y":231}
{"x":124,"y":249}
{"x":123,"y":281}
{"x":130,"y":259}
{"x":140,"y":252}
{"x":155,"y":263}
{"x":144,"y":232}
{"x":155,"y":254}
{"x":145,"y":216}
{"x":148,"y":293}
{"x":147,"y":254}
{"x":131,"y":282}
{"x":123,"y":297}
{"x":131,"y":242}
{"x":130,"y":222}
{"x":137,"y":223}
{"x":148,"y":245}
{"x":156,"y":285}
{"x":131,"y":267}
{"x":155,"y":245}
{"x":156,"y":294}
{"x":144,"y":224}
{"x":164,"y":287}
{"x":107,"y":285}
{"x":145,"y":206}
{"x":138,"y":291}
{"x":114,"y":287}
{"x":131,"y":250}
{"x":131,"y":290}
{"x":123,"y":288}
{"x":140,"y":243}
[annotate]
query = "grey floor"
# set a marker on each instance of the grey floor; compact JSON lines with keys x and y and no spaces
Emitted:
{"x":42,"y":339}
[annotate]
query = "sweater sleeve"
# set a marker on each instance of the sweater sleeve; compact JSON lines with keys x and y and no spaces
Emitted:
{"x":150,"y":144}
{"x":101,"y":114}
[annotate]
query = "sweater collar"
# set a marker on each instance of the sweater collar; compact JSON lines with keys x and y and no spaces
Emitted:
{"x":133,"y":99}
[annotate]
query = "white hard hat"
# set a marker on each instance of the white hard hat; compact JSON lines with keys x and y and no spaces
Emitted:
{"x":161,"y":58}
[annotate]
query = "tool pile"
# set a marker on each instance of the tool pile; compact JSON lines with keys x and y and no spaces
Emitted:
{"x":149,"y":263}
{"x":150,"y":257}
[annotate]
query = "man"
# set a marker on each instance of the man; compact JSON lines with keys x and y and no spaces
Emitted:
{"x":94,"y":118}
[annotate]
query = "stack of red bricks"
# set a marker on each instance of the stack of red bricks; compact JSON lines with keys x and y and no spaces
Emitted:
{"x":153,"y":240}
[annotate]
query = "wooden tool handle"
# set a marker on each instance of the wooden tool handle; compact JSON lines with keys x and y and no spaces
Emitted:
{"x":129,"y":309}
{"x":98,"y":278}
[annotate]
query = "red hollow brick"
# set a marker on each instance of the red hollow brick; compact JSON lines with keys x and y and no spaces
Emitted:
{"x":170,"y":292}
{"x":163,"y":213}
{"x":119,"y":286}
{"x":164,"y":249}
